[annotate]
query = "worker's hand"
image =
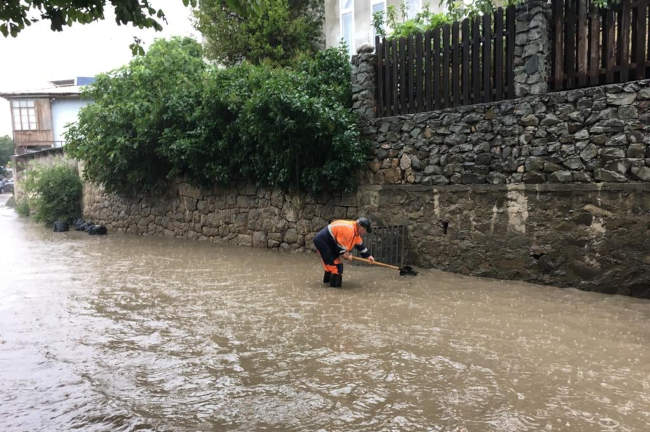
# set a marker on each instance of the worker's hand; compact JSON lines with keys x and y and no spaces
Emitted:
{"x":346,"y":256}
{"x":371,"y":258}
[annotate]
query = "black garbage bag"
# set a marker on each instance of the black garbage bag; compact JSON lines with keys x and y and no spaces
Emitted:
{"x":60,"y":226}
{"x":97,"y":230}
{"x":79,"y":224}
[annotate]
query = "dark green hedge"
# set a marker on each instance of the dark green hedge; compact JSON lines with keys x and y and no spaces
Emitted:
{"x":168,"y":114}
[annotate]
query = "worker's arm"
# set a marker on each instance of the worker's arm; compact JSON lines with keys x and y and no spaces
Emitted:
{"x":364,"y":252}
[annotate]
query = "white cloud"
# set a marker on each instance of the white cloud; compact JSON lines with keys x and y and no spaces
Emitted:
{"x":38,"y":55}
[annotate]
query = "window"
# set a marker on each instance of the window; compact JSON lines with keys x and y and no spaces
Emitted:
{"x":376,"y":6}
{"x":24,"y":113}
{"x":413,"y":8}
{"x":347,"y":23}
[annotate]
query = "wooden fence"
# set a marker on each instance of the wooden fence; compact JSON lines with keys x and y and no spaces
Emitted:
{"x":464,"y":63}
{"x":593,"y":46}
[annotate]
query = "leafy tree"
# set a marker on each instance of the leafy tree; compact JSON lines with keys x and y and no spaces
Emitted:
{"x":277,"y":127}
{"x":168,"y":114}
{"x":53,"y":193}
{"x":15,"y":14}
{"x":136,"y":110}
{"x":262,"y":30}
{"x":6,"y":150}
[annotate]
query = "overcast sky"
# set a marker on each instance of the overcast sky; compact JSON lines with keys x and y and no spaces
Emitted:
{"x":38,"y":55}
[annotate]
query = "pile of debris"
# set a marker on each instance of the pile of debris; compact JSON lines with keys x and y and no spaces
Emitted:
{"x":81,"y":225}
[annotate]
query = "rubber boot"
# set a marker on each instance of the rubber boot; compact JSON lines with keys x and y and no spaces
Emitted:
{"x":327,"y":276}
{"x":336,"y":280}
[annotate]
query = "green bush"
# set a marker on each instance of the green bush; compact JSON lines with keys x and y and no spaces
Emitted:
{"x":22,"y":207}
{"x":120,"y":135}
{"x":457,"y":10}
{"x":6,"y":150}
{"x":53,"y":192}
{"x":168,"y":115}
{"x":272,"y":31}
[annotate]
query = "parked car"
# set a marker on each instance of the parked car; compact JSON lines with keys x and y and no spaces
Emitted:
{"x":6,"y":185}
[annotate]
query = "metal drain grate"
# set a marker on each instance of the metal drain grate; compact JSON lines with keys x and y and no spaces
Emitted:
{"x":388,"y":244}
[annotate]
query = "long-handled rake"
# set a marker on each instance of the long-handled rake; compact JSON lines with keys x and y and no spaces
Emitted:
{"x":406,"y":270}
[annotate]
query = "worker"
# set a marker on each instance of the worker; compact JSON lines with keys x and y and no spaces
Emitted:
{"x":337,"y":239}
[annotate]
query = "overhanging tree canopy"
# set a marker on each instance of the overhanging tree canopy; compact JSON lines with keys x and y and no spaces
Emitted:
{"x":15,"y":15}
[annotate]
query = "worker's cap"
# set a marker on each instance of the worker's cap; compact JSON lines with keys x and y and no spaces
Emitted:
{"x":365,"y":222}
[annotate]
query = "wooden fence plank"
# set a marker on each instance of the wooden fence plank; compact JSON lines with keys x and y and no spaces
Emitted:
{"x":419,"y":76}
{"x":436,"y":68}
{"x":487,"y":58}
{"x":648,"y":34}
{"x":582,"y":43}
{"x":640,"y":30}
{"x":609,"y":38}
{"x":379,"y":73}
{"x":476,"y":59}
{"x":558,"y":44}
{"x":395,"y":77}
{"x":510,"y":51}
{"x":570,"y":44}
{"x":498,"y":54}
{"x":445,"y":65}
{"x":410,"y":74}
{"x":455,"y":63}
{"x":428,"y":75}
{"x":389,"y":76}
{"x":594,"y":46}
{"x":624,"y":41}
{"x":403,"y":92}
{"x":465,"y":80}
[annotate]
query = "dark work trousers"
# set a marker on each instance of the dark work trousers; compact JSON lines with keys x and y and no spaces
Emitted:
{"x":329,"y":251}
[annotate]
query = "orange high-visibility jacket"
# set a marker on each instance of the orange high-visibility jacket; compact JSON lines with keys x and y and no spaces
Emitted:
{"x":346,"y":235}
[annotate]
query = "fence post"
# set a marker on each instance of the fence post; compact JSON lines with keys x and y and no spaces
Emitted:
{"x":532,"y":63}
{"x":363,"y":82}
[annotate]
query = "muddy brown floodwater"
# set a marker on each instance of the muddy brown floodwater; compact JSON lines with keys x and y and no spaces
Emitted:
{"x":125,"y":333}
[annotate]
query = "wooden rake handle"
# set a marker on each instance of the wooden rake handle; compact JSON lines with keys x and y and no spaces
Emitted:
{"x":366,"y":260}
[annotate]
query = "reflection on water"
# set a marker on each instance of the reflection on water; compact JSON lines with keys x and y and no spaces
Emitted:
{"x":127,"y":333}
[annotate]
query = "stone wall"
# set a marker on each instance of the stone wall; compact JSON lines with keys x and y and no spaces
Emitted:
{"x":245,"y":215}
{"x":598,"y":134}
{"x":588,"y":236}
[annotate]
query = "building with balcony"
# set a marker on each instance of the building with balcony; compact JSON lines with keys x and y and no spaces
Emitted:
{"x":39,"y":117}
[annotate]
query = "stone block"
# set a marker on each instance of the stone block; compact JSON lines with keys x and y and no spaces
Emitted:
{"x":561,"y":176}
{"x":603,"y":175}
{"x":620,"y":98}
{"x":641,"y":173}
{"x":636,"y":150}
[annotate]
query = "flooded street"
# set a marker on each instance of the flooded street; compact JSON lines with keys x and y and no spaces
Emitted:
{"x":126,"y":333}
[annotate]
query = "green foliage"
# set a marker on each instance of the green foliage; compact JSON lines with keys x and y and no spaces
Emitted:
{"x":168,"y":114}
{"x":53,"y":193}
{"x":6,"y":150}
{"x":273,"y":31}
{"x":15,"y":15}
{"x":402,"y":27}
{"x":457,"y":10}
{"x":136,"y":111}
{"x":22,"y":207}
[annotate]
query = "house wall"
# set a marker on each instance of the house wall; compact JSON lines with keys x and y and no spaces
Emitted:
{"x":65,"y":111}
